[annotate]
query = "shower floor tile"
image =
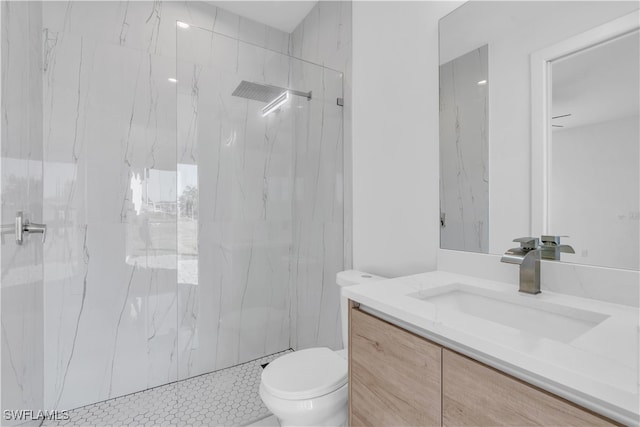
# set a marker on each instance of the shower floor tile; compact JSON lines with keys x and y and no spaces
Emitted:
{"x":228,"y":397}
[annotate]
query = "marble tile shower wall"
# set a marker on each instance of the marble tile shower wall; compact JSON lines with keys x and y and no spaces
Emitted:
{"x":321,"y":244}
{"x":115,"y":228}
{"x":21,"y":157}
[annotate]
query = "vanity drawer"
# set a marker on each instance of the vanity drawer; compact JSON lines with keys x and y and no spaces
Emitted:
{"x":475,"y":394}
{"x":394,"y":375}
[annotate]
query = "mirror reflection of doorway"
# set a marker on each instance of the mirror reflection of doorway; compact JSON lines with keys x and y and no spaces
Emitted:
{"x":594,"y":153}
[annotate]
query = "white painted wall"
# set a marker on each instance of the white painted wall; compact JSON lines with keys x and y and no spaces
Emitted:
{"x":395,"y":135}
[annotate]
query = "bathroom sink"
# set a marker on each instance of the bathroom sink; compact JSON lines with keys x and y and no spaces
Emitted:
{"x":522,"y":312}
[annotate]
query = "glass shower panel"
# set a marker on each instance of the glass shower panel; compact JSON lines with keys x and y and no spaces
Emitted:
{"x":246,"y":177}
{"x":317,"y":250}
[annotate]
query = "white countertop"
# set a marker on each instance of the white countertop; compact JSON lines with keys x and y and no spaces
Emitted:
{"x":598,"y":370}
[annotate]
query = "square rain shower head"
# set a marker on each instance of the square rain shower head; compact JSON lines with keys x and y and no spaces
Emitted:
{"x":257,"y":92}
{"x":264,"y":93}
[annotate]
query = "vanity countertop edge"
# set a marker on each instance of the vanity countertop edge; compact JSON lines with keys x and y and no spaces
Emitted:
{"x":597,"y":370}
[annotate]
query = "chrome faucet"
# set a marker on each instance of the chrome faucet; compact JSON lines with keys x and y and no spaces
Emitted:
{"x":528,"y":256}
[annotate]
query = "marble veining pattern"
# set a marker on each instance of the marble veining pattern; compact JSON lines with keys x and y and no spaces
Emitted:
{"x":122,"y":257}
{"x":149,"y":26}
{"x":108,"y":109}
{"x":114,"y":289}
{"x":21,"y":167}
{"x":464,"y":182}
{"x":321,"y":218}
{"x":239,"y":305}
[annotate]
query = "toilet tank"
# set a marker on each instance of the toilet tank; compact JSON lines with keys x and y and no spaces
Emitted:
{"x":349,"y":278}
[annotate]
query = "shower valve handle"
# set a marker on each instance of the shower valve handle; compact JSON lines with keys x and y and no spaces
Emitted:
{"x":24,"y":226}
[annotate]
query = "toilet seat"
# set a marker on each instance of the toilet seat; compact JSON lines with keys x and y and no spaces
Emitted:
{"x":305,"y":374}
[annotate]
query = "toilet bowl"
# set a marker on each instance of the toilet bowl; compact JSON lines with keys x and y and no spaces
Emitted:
{"x":309,"y":387}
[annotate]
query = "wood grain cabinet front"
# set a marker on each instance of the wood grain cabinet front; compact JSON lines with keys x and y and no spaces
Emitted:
{"x":474,"y":394}
{"x":394,"y":375}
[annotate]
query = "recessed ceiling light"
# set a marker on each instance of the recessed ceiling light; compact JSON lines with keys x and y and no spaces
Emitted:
{"x":182,"y":25}
{"x":482,"y":82}
{"x":172,"y":80}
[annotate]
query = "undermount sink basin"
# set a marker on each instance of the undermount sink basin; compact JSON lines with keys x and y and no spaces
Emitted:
{"x":542,"y":318}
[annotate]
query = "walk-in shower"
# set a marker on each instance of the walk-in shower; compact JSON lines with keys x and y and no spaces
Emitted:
{"x":192,"y":188}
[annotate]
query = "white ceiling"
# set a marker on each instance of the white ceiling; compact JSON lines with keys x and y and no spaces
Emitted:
{"x":283,"y":15}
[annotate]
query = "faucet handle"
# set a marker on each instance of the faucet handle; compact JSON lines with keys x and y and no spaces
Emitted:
{"x":528,"y":243}
{"x":551,"y":240}
{"x":551,"y":247}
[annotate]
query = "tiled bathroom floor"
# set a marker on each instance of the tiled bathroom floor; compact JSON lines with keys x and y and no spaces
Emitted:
{"x":228,"y":397}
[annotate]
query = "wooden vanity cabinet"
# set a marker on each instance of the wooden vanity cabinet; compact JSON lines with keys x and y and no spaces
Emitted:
{"x":397,"y":378}
{"x":474,"y":394}
{"x":394,"y":375}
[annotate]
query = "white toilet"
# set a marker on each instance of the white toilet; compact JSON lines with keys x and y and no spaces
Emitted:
{"x":309,"y":387}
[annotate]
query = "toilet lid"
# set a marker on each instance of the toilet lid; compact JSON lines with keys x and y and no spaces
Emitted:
{"x":305,"y":374}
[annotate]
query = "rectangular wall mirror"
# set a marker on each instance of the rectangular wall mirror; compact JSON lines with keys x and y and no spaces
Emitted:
{"x":587,"y":130}
{"x":579,"y":180}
